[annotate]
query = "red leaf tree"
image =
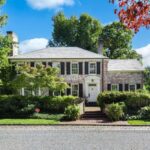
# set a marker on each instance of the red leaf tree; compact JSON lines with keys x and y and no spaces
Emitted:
{"x":134,"y":13}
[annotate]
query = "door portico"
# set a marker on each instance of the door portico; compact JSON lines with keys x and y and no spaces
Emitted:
{"x":92,"y":88}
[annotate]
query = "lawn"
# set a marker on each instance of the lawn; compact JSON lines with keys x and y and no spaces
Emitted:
{"x":38,"y":119}
{"x":27,"y":122}
{"x":139,"y":122}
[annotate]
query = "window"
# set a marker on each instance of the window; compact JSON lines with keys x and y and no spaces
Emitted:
{"x":114,"y":87}
{"x":75,"y":90}
{"x":132,"y":87}
{"x":57,"y":93}
{"x":92,"y":68}
{"x":75,"y":68}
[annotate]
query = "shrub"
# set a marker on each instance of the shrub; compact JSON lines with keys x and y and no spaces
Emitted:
{"x":133,"y":100}
{"x":72,"y":112}
{"x":114,"y":111}
{"x":21,"y":106}
{"x":144,"y":113}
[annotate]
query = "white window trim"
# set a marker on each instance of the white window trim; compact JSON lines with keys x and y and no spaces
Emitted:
{"x":134,"y":85}
{"x":72,"y":88}
{"x":95,"y":68}
{"x":115,"y":85}
{"x":71,"y":68}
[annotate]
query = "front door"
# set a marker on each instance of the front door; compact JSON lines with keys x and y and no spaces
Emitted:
{"x":92,"y":92}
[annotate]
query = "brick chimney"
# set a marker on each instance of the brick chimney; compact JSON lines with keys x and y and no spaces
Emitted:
{"x":15,"y":43}
{"x":100,"y":47}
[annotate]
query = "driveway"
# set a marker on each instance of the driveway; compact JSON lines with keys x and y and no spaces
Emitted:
{"x":74,"y":138}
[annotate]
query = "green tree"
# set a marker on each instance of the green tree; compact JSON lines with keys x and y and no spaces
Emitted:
{"x":5,"y":42}
{"x":117,"y":42}
{"x":147,"y":78}
{"x":7,"y":74}
{"x":39,"y":77}
{"x":82,"y":32}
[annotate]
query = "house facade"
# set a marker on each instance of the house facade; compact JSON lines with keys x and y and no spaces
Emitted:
{"x":87,"y":73}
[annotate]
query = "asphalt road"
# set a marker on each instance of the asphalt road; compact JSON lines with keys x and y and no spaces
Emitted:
{"x":74,"y":138}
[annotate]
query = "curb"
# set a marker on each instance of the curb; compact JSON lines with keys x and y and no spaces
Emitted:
{"x":86,"y":125}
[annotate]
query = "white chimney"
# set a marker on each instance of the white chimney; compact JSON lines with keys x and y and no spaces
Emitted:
{"x":100,"y":47}
{"x":15,"y":43}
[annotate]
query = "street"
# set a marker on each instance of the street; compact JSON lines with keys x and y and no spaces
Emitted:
{"x":74,"y":138}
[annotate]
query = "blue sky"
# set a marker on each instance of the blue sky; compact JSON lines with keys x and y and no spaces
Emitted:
{"x":31,"y":19}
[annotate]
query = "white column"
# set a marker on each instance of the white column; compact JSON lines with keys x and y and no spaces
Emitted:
{"x":22,"y":91}
{"x":39,"y":91}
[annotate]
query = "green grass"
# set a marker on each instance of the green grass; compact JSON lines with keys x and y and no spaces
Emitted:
{"x":139,"y":122}
{"x":27,"y":122}
{"x":35,"y":119}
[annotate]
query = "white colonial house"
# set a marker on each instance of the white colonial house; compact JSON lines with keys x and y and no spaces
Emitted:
{"x":86,"y":72}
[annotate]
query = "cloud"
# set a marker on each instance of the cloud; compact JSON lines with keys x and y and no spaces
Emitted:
{"x":49,"y":4}
{"x":145,"y":51}
{"x":33,"y":44}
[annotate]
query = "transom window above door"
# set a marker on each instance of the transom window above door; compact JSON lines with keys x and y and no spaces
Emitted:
{"x":92,"y":68}
{"x":75,"y":68}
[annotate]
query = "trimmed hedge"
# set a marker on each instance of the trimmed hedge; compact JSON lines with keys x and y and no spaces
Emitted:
{"x":133,"y":100}
{"x":20,"y":106}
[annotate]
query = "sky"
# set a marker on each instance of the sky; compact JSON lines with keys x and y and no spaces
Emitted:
{"x":31,"y":20}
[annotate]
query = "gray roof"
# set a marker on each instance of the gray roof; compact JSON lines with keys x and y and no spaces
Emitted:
{"x":125,"y":65}
{"x":59,"y":52}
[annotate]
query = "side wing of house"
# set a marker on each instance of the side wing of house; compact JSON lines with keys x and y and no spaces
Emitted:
{"x":124,"y":75}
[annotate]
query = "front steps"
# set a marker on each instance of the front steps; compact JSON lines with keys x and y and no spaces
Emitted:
{"x":92,"y":113}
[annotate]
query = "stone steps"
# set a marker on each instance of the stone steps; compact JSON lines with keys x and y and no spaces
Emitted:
{"x":93,"y":115}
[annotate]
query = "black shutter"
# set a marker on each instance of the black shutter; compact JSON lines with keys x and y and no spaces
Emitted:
{"x":80,"y":68}
{"x":138,"y":86}
{"x":98,"y":67}
{"x":62,"y":64}
{"x":120,"y":87}
{"x":32,"y":64}
{"x":80,"y":90}
{"x":109,"y":87}
{"x":126,"y":87}
{"x":44,"y":64}
{"x":62,"y":93}
{"x":86,"y":68}
{"x":68,"y":67}
{"x":50,"y":64}
{"x":69,"y":90}
{"x":50,"y":93}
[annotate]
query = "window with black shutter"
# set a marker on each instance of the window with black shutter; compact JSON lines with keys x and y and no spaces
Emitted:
{"x":126,"y":87}
{"x":120,"y":87}
{"x":50,"y":64}
{"x":62,"y":68}
{"x":68,"y":67}
{"x":98,"y":67}
{"x":86,"y":68}
{"x":80,"y":90}
{"x":80,"y":68}
{"x":69,"y":90}
{"x":138,"y":86}
{"x":109,"y":87}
